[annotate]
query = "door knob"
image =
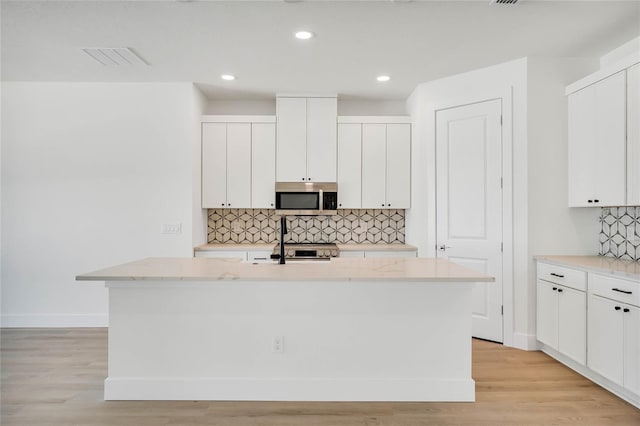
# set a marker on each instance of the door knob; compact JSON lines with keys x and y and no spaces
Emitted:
{"x":443,"y":247}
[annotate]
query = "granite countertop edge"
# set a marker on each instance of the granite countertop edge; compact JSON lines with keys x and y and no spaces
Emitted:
{"x":269,"y":246}
{"x":621,"y":268}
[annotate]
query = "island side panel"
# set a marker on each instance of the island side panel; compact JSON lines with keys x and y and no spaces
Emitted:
{"x":342,"y":341}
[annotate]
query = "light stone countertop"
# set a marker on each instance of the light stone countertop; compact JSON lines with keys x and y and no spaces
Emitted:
{"x":346,"y":269}
{"x":233,"y":247}
{"x":609,"y":265}
{"x":341,"y":247}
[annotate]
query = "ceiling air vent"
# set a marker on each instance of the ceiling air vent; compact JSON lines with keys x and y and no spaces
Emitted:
{"x":114,"y":56}
{"x":503,"y":1}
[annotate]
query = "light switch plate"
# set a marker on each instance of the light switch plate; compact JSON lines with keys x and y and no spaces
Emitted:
{"x":171,"y":228}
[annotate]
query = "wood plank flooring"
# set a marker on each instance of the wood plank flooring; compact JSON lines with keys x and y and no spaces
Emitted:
{"x":55,"y":377}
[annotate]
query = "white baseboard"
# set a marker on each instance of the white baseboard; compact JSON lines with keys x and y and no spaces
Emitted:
{"x":250,"y":389}
{"x":53,"y":320}
{"x":527,"y":342}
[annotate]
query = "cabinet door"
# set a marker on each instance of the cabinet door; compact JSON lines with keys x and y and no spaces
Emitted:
{"x":214,"y":165}
{"x":633,"y":135}
{"x":321,"y":139}
{"x":352,"y":254}
{"x":572,"y":324}
{"x":242,"y":255}
{"x":349,"y":166}
{"x":390,"y":253}
{"x":263,"y":165}
{"x":398,"y":172}
{"x":582,"y":154}
{"x":259,"y":256}
{"x":291,"y":164}
{"x":605,"y":334}
{"x":239,"y":165}
{"x":632,"y":348}
{"x":610,"y":103}
{"x":547,"y":314}
{"x":373,"y":166}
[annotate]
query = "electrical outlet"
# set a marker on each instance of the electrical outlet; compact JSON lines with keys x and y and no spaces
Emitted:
{"x":171,"y":228}
{"x":277,"y":344}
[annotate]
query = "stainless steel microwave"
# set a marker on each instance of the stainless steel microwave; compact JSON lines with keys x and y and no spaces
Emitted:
{"x":306,"y":198}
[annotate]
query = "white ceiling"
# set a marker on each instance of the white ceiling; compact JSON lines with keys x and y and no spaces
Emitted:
{"x":356,"y":41}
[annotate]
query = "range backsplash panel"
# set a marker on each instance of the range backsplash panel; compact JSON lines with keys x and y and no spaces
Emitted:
{"x":238,"y":226}
{"x":620,"y":234}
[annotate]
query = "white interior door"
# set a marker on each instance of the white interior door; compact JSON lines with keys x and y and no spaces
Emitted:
{"x":469,"y":203}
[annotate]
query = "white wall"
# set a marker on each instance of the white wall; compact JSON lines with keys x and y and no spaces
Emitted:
{"x":504,"y":81}
{"x":364,"y":107}
{"x":199,"y":228}
{"x":90,"y":171}
{"x":268,"y":107}
{"x":240,"y":107}
{"x":553,"y":227}
{"x":534,"y":138}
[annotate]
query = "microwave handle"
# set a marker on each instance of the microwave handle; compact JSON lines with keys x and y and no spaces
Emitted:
{"x":321,"y":200}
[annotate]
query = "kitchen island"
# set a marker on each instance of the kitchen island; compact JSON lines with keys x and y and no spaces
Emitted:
{"x":344,"y":330}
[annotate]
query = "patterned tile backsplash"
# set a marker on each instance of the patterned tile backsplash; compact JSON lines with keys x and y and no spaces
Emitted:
{"x":347,"y":227}
{"x":620,"y":235}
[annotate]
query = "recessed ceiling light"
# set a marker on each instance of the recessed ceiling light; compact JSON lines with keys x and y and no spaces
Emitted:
{"x":383,"y":78}
{"x":228,"y":77}
{"x":304,"y":35}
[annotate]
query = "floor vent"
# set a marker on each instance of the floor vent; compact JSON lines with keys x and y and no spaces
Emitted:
{"x":503,"y":1}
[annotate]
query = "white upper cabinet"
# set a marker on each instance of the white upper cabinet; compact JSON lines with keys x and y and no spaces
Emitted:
{"x":398,"y":166}
{"x":292,"y":139}
{"x":226,"y":165}
{"x":238,"y":165}
{"x":238,"y":162}
{"x":306,"y":139}
{"x":374,"y":165}
{"x":633,"y":135}
{"x":349,"y":165}
{"x":321,"y":139}
{"x":597,"y":143}
{"x":263,"y":165}
{"x":214,"y":165}
{"x":386,"y":166}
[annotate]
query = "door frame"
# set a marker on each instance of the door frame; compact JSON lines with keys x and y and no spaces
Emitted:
{"x":506,"y":98}
{"x":502,"y":198}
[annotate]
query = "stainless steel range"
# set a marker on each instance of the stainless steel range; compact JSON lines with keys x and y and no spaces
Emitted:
{"x":308,"y":251}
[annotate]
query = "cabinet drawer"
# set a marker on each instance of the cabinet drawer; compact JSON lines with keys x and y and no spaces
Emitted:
{"x":624,"y":291}
{"x":562,"y":275}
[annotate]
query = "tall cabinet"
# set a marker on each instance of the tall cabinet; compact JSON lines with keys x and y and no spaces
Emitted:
{"x":306,"y":148}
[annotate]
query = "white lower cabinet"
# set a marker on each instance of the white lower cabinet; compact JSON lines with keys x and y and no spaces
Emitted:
{"x":561,"y":319}
{"x":352,"y":254}
{"x":391,"y":253}
{"x":259,"y":256}
{"x":361,"y":254}
{"x":591,"y":322}
{"x":230,"y":254}
{"x":614,"y":331}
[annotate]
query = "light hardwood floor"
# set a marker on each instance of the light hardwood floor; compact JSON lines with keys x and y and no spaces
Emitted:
{"x":55,"y":377}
